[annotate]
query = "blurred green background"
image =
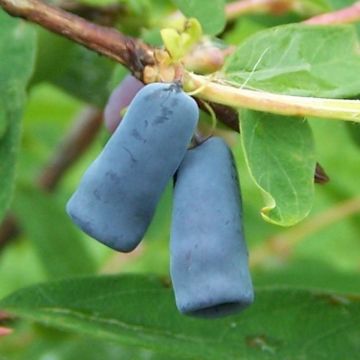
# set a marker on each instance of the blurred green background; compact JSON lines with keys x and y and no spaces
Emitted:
{"x":322,"y":252}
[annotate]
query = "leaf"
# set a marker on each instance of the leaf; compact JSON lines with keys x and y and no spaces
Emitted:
{"x":140,"y":311}
{"x":56,"y":240}
{"x":87,"y":348}
{"x":52,"y":57}
{"x":172,"y":41}
{"x":59,"y":345}
{"x":242,"y":29}
{"x":353,"y":129}
{"x":211,"y":15}
{"x":308,"y":273}
{"x":86,"y":76}
{"x":313,"y":7}
{"x":280,"y":154}
{"x":179,"y":42}
{"x":3,"y":120}
{"x":17,"y":48}
{"x":75,"y":69}
{"x":319,"y":61}
{"x":339,"y":4}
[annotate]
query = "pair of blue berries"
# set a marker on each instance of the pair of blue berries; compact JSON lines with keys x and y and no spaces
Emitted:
{"x":118,"y":194}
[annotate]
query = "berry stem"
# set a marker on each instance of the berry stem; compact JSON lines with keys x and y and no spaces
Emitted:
{"x":211,"y":90}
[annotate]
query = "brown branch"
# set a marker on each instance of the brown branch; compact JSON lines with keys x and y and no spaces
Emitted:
{"x":133,"y":53}
{"x":347,"y":15}
{"x":4,"y":316}
{"x":243,"y":7}
{"x":75,"y":143}
{"x":225,"y":114}
{"x":8,"y":230}
{"x":320,"y":176}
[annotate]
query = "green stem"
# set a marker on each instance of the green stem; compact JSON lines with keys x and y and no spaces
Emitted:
{"x":210,"y":90}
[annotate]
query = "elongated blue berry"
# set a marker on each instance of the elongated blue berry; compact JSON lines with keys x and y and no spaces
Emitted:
{"x":118,"y":194}
{"x":209,"y":258}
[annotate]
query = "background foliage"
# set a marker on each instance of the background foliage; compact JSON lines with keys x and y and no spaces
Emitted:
{"x":307,"y":292}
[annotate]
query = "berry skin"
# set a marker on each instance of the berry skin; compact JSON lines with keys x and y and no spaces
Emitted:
{"x":209,"y":258}
{"x":118,"y":194}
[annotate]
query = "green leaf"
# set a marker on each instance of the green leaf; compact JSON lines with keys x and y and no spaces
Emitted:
{"x":241,"y":30}
{"x":313,"y":7}
{"x":140,"y":311}
{"x":86,"y":76}
{"x":75,"y":69}
{"x":3,"y":120}
{"x":339,"y":4}
{"x":53,"y":56}
{"x":17,"y":48}
{"x":353,"y":129}
{"x":308,"y":273}
{"x":280,"y":154}
{"x":59,"y":345}
{"x":211,"y":15}
{"x":56,"y":240}
{"x":319,"y":61}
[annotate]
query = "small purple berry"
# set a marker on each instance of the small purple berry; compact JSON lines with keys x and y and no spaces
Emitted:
{"x":120,"y":99}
